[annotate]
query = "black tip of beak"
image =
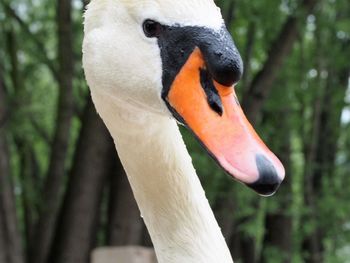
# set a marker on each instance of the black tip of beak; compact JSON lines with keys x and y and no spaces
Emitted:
{"x":269,"y":180}
{"x":265,"y":188}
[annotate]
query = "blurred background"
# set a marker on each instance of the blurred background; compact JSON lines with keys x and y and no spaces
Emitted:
{"x":63,"y":191}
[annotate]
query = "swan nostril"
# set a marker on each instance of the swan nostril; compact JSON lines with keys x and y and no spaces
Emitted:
{"x":218,"y":54}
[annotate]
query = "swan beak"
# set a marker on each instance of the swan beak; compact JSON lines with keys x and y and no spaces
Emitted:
{"x":212,"y":112}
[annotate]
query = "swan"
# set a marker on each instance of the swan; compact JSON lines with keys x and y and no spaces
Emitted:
{"x":151,"y":64}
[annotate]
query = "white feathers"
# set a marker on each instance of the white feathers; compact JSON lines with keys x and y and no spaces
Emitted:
{"x":165,"y":185}
{"x":170,"y":12}
{"x":124,"y":71}
{"x":120,"y":60}
{"x":183,"y":12}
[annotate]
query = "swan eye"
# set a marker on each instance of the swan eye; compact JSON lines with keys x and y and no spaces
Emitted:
{"x":152,"y":28}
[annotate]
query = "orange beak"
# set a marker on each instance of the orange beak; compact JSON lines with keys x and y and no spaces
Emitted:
{"x":226,"y":134}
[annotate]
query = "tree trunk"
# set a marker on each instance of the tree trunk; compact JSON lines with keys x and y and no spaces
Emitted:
{"x":11,"y":238}
{"x":146,"y":238}
{"x":229,"y":13}
{"x":43,"y":237}
{"x":29,"y":177}
{"x":125,"y":225}
{"x":321,"y":159}
{"x":224,"y":216}
{"x":241,"y":244}
{"x":247,"y":249}
{"x":3,"y":247}
{"x":278,"y":223}
{"x":77,"y":227}
{"x":313,"y":242}
{"x":235,"y":243}
{"x":278,"y":237}
{"x":42,"y":54}
{"x":255,"y":97}
{"x":223,"y":210}
{"x":248,"y":53}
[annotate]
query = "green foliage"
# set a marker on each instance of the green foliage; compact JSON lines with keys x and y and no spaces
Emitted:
{"x":320,"y":59}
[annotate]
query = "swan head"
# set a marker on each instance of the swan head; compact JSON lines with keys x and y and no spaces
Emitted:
{"x":176,"y":58}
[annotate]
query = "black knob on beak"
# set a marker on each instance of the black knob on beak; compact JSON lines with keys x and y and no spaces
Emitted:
{"x":222,"y":57}
{"x":223,"y":62}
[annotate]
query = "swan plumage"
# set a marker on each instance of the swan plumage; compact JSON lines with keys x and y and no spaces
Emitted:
{"x":126,"y":73}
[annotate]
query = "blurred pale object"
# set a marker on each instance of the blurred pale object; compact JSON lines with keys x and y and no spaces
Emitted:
{"x":124,"y":255}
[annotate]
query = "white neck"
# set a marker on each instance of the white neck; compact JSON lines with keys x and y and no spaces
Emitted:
{"x":166,"y":187}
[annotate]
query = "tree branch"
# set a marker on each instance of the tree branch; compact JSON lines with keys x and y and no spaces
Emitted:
{"x":3,"y":108}
{"x":261,"y":85}
{"x":8,"y":213}
{"x":54,"y":183}
{"x":43,"y":55}
{"x":40,"y":130}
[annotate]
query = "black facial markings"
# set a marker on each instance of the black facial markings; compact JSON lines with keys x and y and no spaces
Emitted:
{"x":213,"y":97}
{"x":222,"y":59}
{"x":176,"y":45}
{"x":268,"y":181}
{"x":220,"y":54}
